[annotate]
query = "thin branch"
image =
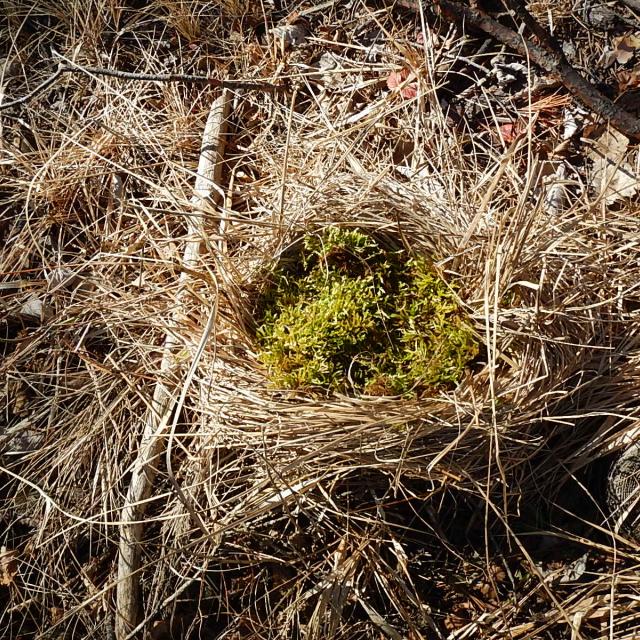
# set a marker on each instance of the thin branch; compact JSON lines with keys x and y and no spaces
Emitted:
{"x":546,"y":40}
{"x":262,"y":85}
{"x":632,"y":4}
{"x":39,"y":89}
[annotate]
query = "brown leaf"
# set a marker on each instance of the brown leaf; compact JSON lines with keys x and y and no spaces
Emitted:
{"x":397,"y":78}
{"x":8,"y":565}
{"x":625,"y":47}
{"x":612,"y":174}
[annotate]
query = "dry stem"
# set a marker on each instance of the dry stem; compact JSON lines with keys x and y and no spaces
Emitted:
{"x":163,"y":404}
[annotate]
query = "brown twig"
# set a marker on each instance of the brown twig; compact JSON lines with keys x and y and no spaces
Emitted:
{"x":547,"y":55}
{"x":141,"y":77}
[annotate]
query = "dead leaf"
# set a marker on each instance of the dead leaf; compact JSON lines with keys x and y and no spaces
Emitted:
{"x":290,"y":35}
{"x":8,"y":565}
{"x":510,"y":131}
{"x":398,"y":78}
{"x":613,"y":175}
{"x":625,"y":47}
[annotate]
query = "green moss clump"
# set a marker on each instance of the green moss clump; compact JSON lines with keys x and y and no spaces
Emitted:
{"x":351,"y":316}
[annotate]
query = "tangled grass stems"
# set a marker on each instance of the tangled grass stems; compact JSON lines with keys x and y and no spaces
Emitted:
{"x":332,"y":516}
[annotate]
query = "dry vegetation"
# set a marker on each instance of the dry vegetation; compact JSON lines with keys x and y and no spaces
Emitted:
{"x":476,"y":513}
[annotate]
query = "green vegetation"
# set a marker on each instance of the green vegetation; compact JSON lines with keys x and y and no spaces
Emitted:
{"x":351,"y":316}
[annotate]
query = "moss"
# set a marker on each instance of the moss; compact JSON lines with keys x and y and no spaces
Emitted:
{"x":348,"y":315}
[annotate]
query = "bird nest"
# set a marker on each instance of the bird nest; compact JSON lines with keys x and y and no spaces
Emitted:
{"x":346,"y":479}
{"x":310,"y":466}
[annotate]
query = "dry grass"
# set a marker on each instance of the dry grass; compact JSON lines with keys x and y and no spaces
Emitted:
{"x":300,"y":516}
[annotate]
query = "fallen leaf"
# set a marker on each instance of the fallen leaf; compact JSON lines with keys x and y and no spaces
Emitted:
{"x":613,"y":175}
{"x":625,"y":47}
{"x":8,"y":565}
{"x":396,"y":79}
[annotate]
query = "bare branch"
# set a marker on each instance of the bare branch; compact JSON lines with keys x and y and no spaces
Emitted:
{"x":261,"y":85}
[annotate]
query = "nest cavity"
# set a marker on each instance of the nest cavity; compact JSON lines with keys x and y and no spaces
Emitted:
{"x":351,"y":315}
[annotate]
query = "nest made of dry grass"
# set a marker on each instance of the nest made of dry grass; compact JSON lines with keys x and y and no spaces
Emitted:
{"x":300,"y":515}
